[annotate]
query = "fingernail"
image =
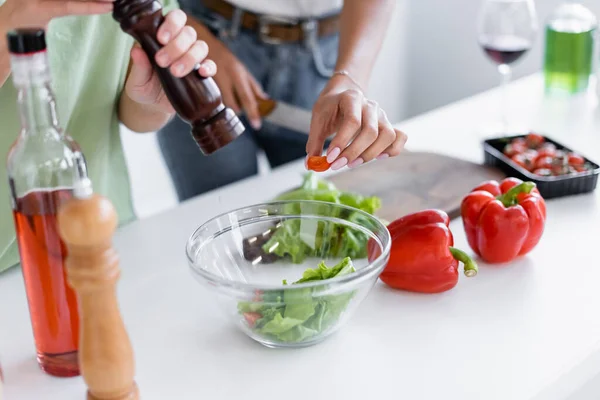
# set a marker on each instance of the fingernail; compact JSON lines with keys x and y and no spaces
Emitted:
{"x":179,"y":69}
{"x":383,"y":156}
{"x":206,"y":69}
{"x":341,"y":163}
{"x":162,"y":60}
{"x":333,"y":154}
{"x":256,"y":124}
{"x":356,"y":163}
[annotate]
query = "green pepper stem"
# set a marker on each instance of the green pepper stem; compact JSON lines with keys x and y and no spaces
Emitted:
{"x":510,"y":198}
{"x":470,"y":264}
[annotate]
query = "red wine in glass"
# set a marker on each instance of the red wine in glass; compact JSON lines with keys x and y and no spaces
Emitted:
{"x":506,"y":49}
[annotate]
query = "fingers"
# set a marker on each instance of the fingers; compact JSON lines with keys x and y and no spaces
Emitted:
{"x":396,"y":147}
{"x":171,"y":27}
{"x":257,"y":88}
{"x":61,"y":8}
{"x":350,"y":114}
{"x":182,"y":52}
{"x":178,"y":48}
{"x":141,"y":72}
{"x":190,"y":58}
{"x":399,"y":141}
{"x":247,"y":99}
{"x":385,"y":139}
{"x":228,"y":96}
{"x":365,"y":133}
{"x":208,"y":68}
{"x":317,"y":134}
{"x":369,"y":134}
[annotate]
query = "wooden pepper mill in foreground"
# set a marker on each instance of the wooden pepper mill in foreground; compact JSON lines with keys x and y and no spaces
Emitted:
{"x":86,"y":224}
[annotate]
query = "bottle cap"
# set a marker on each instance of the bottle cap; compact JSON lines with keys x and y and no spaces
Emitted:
{"x":25,"y":41}
{"x":217,"y":132}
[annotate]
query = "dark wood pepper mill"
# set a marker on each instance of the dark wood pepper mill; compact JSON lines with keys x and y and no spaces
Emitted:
{"x":86,"y":224}
{"x":197,"y":100}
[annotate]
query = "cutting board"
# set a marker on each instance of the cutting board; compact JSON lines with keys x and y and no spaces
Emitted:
{"x":415,"y":181}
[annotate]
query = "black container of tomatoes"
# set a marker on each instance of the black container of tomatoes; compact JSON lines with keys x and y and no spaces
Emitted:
{"x":557,"y":170}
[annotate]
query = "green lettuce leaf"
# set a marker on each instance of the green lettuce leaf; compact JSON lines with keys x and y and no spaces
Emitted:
{"x":299,"y":240}
{"x":294,"y":315}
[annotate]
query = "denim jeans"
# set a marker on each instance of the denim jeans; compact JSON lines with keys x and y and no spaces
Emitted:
{"x":288,"y":72}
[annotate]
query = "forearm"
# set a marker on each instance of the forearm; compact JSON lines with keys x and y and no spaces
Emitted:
{"x":363,"y":27}
{"x":141,"y":118}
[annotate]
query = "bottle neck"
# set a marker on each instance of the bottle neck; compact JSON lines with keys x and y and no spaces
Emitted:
{"x":37,"y":104}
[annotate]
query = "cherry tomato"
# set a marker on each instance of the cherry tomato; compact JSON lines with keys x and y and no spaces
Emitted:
{"x":543,"y":172}
{"x":531,"y":154}
{"x":560,"y":155}
{"x":318,"y":163}
{"x":558,"y":168}
{"x":575,"y":159}
{"x":580,"y":168}
{"x":251,"y":318}
{"x":523,"y":161}
{"x":543,"y":162}
{"x":519,"y":141}
{"x":534,"y":140}
{"x":513,"y":149}
{"x":547,"y":149}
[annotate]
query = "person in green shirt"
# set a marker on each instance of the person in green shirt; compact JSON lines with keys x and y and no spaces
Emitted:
{"x":100,"y":79}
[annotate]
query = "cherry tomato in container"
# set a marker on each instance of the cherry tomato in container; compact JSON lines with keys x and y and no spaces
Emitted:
{"x":561,"y":156}
{"x":532,"y":154}
{"x":534,"y":140}
{"x":514,"y":149}
{"x":547,"y":150}
{"x":526,"y":159}
{"x":543,"y":163}
{"x":520,"y":160}
{"x":520,"y":142}
{"x":575,"y":159}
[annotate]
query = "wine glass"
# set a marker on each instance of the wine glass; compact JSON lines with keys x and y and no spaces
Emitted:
{"x":507,"y":29}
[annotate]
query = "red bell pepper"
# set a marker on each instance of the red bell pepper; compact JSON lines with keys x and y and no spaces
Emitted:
{"x":503,"y":220}
{"x":422,"y":258}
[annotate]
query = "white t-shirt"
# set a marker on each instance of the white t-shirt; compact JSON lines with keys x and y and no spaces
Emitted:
{"x":290,"y":8}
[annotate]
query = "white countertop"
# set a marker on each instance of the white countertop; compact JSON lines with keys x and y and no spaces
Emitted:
{"x":526,"y":331}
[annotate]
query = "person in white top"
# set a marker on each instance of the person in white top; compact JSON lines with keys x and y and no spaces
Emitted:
{"x":315,"y":54}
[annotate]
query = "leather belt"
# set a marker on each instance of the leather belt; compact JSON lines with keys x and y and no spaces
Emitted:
{"x":272,"y":29}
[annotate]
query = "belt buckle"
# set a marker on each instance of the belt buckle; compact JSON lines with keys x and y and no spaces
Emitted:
{"x":263,"y":27}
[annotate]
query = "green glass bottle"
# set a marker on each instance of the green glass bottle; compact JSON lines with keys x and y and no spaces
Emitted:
{"x":569,"y":61}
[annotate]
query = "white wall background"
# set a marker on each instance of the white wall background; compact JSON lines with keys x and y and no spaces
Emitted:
{"x":430,"y":58}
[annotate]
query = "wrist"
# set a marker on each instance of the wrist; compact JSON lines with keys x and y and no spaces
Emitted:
{"x":340,"y":82}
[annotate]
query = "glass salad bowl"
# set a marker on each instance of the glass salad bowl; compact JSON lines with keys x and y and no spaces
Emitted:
{"x":290,"y":273}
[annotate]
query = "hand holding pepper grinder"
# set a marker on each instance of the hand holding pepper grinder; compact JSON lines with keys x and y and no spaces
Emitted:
{"x":196,"y":99}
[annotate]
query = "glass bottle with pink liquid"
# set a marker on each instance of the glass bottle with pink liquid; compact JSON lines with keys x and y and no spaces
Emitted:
{"x":42,"y":166}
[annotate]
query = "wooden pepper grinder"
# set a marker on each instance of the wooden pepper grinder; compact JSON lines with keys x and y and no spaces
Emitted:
{"x":86,"y":224}
{"x":196,"y":99}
